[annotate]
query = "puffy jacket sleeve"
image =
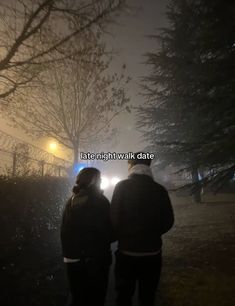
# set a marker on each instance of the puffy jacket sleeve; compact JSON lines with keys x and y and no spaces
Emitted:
{"x":108,"y":222}
{"x":167,"y":214}
{"x":116,"y":206}
{"x":64,"y":228}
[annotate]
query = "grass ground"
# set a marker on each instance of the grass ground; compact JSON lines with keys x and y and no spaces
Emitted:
{"x":199,"y":255}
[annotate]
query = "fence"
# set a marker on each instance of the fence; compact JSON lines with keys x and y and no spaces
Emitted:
{"x":19,"y":158}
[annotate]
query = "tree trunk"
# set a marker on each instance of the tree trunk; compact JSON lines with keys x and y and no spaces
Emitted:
{"x":75,"y":156}
{"x":197,"y":185}
{"x":73,"y":170}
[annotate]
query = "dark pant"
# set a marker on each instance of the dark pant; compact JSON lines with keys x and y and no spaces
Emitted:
{"x":130,"y":270}
{"x":88,"y":280}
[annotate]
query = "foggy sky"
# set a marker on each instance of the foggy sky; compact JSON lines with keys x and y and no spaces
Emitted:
{"x":129,"y":38}
{"x":131,"y":41}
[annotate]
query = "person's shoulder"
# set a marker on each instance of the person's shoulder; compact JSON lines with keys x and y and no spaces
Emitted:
{"x":122,"y":184}
{"x":102,"y":198}
{"x":160,"y":187}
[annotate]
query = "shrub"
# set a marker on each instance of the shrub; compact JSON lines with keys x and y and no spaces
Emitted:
{"x":31,"y":261}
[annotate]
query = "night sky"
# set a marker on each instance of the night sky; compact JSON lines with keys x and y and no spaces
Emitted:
{"x":131,"y":41}
{"x":128,"y":36}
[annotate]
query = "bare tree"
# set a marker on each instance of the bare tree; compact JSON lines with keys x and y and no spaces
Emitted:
{"x":34,"y":32}
{"x":77,"y":99}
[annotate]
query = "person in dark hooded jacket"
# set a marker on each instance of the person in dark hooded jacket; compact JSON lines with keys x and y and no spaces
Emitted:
{"x":141,"y":212}
{"x":86,"y":234}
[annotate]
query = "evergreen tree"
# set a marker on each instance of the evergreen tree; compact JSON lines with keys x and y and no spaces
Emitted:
{"x":189,"y":114}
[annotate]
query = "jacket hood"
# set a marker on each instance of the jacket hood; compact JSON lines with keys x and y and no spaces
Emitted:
{"x":80,"y":198}
{"x":141,"y":169}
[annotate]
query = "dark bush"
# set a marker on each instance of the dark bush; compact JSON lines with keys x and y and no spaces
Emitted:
{"x":31,"y":262}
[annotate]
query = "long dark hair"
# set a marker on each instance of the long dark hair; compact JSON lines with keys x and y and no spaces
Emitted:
{"x":87,"y":178}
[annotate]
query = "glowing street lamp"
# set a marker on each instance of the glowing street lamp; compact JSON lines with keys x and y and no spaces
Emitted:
{"x":53,"y":146}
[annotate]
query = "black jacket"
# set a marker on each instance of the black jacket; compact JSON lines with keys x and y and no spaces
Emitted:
{"x":86,"y":229}
{"x":141,"y":212}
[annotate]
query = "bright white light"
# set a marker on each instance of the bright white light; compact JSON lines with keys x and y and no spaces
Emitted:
{"x":53,"y":146}
{"x":115,"y":180}
{"x":104,"y":182}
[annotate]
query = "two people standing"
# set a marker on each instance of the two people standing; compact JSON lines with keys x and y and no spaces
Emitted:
{"x":140,"y":212}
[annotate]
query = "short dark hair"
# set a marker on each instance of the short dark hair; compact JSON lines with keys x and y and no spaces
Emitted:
{"x":138,"y":161}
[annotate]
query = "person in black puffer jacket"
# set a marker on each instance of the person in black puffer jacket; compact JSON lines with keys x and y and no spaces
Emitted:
{"x":141,"y":213}
{"x":86,"y":234}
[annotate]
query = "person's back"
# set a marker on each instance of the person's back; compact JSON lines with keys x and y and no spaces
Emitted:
{"x":85,"y":229}
{"x":86,"y":235}
{"x":141,"y":212}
